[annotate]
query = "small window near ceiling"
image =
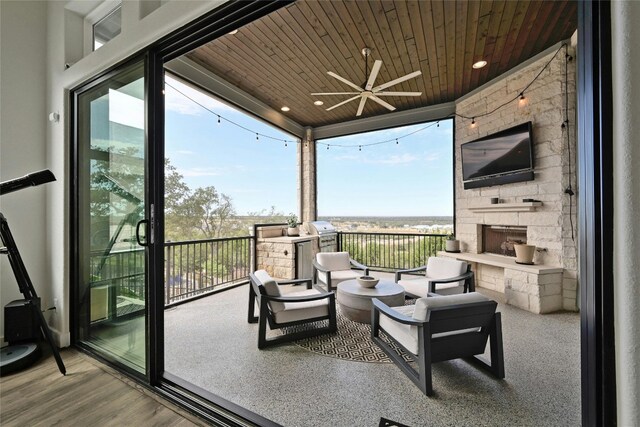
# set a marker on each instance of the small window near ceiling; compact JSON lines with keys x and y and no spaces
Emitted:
{"x":107,"y":28}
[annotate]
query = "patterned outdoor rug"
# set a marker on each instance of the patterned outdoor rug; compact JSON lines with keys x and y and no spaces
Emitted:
{"x":351,"y":342}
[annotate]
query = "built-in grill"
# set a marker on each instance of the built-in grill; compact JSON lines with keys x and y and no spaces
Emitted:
{"x":327,"y":235}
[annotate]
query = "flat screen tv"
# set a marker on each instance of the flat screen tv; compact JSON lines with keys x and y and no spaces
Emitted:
{"x":501,"y":158}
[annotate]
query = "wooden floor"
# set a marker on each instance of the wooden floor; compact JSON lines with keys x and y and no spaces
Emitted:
{"x":91,"y":394}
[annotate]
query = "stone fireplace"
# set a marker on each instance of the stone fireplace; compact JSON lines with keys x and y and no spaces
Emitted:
{"x":537,"y":212}
{"x":499,"y":239}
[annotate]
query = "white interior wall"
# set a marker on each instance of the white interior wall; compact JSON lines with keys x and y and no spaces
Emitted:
{"x":23,"y":124}
{"x":626,"y":147}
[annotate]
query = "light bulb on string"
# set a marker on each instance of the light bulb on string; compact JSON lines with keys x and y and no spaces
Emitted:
{"x":359,"y":147}
{"x":285,"y":142}
{"x":396,"y":141}
{"x":218,"y":119}
{"x":438,"y":124}
{"x":257,"y":137}
{"x":473,"y":122}
{"x":327,"y":146}
{"x":523,"y":100}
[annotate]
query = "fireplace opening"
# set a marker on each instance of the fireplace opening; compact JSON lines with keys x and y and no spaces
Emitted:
{"x":499,"y":239}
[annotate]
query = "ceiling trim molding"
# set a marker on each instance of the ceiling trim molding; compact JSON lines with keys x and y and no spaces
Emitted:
{"x":197,"y":75}
{"x":386,"y":121}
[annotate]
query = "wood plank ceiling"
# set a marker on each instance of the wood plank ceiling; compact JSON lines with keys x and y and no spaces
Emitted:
{"x":283,"y":57}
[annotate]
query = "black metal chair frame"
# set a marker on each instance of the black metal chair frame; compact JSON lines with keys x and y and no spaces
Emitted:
{"x":354,"y":264}
{"x":468,"y":277}
{"x":265,"y":316}
{"x":468,"y":345}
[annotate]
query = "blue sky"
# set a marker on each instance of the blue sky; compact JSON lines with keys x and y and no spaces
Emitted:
{"x":412,"y":178}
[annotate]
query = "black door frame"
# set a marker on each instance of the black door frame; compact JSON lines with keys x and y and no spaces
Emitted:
{"x":594,"y":114}
{"x":595,"y":179}
{"x":218,"y":22}
{"x":74,"y":212}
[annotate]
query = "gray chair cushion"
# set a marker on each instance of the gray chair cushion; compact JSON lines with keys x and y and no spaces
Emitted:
{"x":424,"y":304}
{"x":406,"y":335}
{"x":334,"y":260}
{"x":271,"y":288}
{"x":294,"y":311}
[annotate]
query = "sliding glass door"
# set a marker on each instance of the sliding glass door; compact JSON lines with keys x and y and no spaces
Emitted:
{"x":111,"y":230}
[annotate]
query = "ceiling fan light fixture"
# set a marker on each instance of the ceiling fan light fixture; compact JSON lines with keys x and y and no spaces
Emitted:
{"x":479,"y":64}
{"x":285,"y":108}
{"x":318,"y":103}
{"x":368,"y":90}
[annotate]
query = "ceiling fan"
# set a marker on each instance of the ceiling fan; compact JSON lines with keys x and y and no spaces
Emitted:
{"x":367,"y":90}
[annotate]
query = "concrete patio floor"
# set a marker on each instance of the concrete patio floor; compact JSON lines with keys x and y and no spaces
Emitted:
{"x":209,"y":343}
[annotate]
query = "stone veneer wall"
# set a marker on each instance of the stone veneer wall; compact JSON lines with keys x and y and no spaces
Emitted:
{"x":277,"y":258}
{"x":548,"y":227}
{"x":307,"y":188}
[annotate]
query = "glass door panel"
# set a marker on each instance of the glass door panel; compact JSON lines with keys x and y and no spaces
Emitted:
{"x":111,"y":170}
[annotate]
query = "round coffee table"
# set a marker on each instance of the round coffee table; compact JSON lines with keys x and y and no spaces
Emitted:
{"x":355,"y":301}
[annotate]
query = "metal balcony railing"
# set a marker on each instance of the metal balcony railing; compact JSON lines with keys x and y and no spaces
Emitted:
{"x":193,"y":268}
{"x":391,"y":251}
{"x":199,"y":266}
{"x":123,"y":270}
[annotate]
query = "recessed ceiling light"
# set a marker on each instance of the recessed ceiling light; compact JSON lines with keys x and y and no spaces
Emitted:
{"x":479,"y":64}
{"x":285,"y":108}
{"x":233,"y":31}
{"x":318,"y":102}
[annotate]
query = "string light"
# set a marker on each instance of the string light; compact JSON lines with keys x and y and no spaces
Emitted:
{"x":523,"y":101}
{"x":220,"y":117}
{"x":520,"y":94}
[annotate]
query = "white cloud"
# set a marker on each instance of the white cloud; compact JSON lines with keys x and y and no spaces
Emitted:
{"x":201,"y":172}
{"x":179,"y":103}
{"x":185,"y":152}
{"x":394,"y":160}
{"x":212,"y":171}
{"x":432,"y":157}
{"x":391,"y":160}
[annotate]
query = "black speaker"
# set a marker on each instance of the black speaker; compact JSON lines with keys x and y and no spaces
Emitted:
{"x":20,"y":321}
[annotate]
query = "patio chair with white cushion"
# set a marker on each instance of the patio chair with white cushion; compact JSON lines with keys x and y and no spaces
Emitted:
{"x":446,"y":273}
{"x":332,"y":268}
{"x":290,"y":309}
{"x":440,"y":328}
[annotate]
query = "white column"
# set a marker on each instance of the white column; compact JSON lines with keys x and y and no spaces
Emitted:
{"x":626,"y":158}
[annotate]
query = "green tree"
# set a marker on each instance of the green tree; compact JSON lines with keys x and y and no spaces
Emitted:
{"x":202,"y":213}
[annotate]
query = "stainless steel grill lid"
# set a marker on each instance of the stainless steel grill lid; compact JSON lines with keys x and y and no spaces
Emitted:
{"x":321,"y":228}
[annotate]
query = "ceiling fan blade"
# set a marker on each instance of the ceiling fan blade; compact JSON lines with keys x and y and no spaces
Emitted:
{"x":374,"y":73}
{"x":343,"y":102}
{"x":381,"y":102}
{"x":396,"y":81}
{"x":336,"y":93}
{"x":361,"y":106}
{"x":398,"y":93}
{"x":343,"y":80}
